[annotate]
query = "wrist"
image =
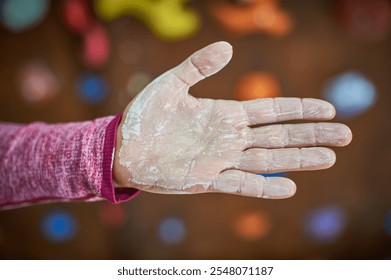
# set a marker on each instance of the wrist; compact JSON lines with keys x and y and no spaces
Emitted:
{"x":119,"y":171}
{"x":108,"y":190}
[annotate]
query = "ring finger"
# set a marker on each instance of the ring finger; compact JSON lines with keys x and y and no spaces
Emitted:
{"x":291,"y":159}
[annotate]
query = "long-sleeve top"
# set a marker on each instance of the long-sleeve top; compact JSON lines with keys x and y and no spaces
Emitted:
{"x":42,"y":162}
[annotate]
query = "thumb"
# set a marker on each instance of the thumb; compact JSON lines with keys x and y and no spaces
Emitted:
{"x":203,"y":63}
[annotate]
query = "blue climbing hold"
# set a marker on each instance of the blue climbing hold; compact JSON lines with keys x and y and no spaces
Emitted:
{"x":92,"y":88}
{"x":59,"y":226}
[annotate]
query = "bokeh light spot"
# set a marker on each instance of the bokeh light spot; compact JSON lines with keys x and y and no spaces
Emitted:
{"x":112,"y":216}
{"x":92,"y":88}
{"x":130,"y":51}
{"x":19,"y":15}
{"x":76,"y":15}
{"x":387,"y":223}
{"x":253,"y":225}
{"x":138,"y":82}
{"x":351,"y":93}
{"x":325,"y":224}
{"x":369,"y":19}
{"x":96,"y":46}
{"x":172,"y":230}
{"x":255,"y":85}
{"x":38,"y":83}
{"x":59,"y":226}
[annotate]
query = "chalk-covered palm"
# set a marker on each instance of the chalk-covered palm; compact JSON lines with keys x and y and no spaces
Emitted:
{"x":170,"y":142}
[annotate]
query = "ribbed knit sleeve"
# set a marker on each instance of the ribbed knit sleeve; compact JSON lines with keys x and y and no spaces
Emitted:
{"x":43,"y":162}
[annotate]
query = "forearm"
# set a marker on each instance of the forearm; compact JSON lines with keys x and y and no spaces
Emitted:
{"x":62,"y":162}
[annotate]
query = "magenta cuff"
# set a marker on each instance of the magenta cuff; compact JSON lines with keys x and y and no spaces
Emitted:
{"x":118,"y":194}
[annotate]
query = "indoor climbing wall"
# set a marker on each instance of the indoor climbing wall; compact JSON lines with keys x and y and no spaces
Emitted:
{"x":74,"y":60}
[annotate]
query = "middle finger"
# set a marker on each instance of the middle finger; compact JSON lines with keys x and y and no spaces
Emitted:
{"x":300,"y":135}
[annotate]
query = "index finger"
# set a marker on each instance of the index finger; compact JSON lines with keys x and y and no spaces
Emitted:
{"x":272,"y":110}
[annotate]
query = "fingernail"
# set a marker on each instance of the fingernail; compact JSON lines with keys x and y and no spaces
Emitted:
{"x":342,"y":134}
{"x":279,"y":188}
{"x":317,"y":157}
{"x":316,"y":108}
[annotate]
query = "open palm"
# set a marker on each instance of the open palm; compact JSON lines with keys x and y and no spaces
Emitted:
{"x":171,"y":142}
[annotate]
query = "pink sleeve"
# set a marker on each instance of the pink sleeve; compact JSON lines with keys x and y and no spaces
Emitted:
{"x":59,"y":162}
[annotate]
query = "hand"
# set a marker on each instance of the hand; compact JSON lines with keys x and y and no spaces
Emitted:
{"x":170,"y":142}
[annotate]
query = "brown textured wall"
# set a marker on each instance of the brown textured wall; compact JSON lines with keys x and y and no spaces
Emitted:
{"x":316,"y":49}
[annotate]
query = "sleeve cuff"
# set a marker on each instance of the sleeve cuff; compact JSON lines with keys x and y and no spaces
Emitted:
{"x":118,"y":194}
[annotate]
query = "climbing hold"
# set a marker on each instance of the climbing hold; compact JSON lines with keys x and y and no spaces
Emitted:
{"x":77,"y":16}
{"x":21,"y":15}
{"x":251,"y":17}
{"x":92,"y":88}
{"x":168,"y":19}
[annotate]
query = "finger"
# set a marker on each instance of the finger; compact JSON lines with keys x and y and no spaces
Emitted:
{"x":247,"y":184}
{"x":282,"y":160}
{"x":270,"y":110}
{"x":203,"y":63}
{"x":300,"y":135}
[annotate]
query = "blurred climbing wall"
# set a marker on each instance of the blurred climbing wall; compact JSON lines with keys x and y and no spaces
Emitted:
{"x":65,"y":61}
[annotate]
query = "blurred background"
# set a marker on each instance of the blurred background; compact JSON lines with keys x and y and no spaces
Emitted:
{"x":75,"y":60}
